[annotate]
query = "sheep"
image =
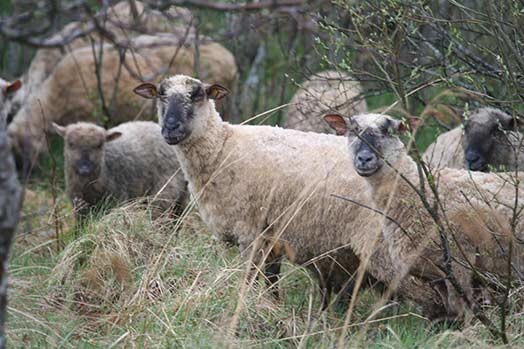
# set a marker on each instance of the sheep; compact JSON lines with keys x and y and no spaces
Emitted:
{"x":490,"y":139}
{"x":119,"y":22}
{"x":476,"y":205}
{"x":70,"y":93}
{"x":126,"y":162}
{"x":6,"y":89}
{"x":268,"y":189}
{"x":324,"y":92}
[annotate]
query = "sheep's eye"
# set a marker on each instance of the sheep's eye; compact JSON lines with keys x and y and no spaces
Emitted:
{"x":197,"y":94}
{"x":162,"y":95}
{"x":354,"y":129}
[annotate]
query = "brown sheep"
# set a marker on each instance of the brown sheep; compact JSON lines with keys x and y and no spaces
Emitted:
{"x":119,"y":22}
{"x":70,"y":93}
{"x":475,"y":209}
{"x":127,"y":162}
{"x":322,"y":93}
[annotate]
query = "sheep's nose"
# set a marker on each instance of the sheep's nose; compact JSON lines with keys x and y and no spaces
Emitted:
{"x":83,"y":168}
{"x":475,"y":161}
{"x":171,"y":123}
{"x":365,"y":158}
{"x":472,"y":156}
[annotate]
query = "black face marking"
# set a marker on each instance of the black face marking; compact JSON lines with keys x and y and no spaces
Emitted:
{"x":176,"y":117}
{"x":479,"y":139}
{"x":84,"y":166}
{"x":198,"y":94}
{"x":10,"y":116}
{"x":162,"y":91}
{"x":367,"y":161}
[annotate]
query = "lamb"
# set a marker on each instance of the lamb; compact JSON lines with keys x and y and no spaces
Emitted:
{"x":6,"y":89}
{"x":70,"y":93}
{"x":490,"y":139}
{"x":266,"y":188}
{"x":476,"y":205}
{"x":119,"y":22}
{"x":324,"y":92}
{"x":126,"y":162}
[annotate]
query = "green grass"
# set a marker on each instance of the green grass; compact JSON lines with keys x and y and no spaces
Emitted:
{"x":129,"y":282}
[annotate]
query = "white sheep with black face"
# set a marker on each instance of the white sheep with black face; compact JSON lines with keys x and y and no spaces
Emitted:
{"x":477,"y":207}
{"x":489,"y":139}
{"x":264,"y":187}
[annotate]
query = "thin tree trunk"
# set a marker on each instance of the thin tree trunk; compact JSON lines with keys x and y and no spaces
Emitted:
{"x":9,"y":214}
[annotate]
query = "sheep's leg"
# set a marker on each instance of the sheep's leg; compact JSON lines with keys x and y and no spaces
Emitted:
{"x":269,"y":261}
{"x":253,"y":252}
{"x":272,"y":272}
{"x":325,"y":282}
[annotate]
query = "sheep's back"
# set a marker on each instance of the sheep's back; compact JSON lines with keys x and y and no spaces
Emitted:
{"x":323,"y":93}
{"x":446,"y":151}
{"x":70,"y":94}
{"x":139,"y":163}
{"x":285,"y":180}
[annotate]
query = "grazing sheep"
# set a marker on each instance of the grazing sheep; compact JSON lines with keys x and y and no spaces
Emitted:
{"x":490,"y":139}
{"x":6,"y":89}
{"x":70,"y":94}
{"x":126,"y":162}
{"x":322,"y":93}
{"x":265,"y":188}
{"x":119,"y":22}
{"x":475,"y":209}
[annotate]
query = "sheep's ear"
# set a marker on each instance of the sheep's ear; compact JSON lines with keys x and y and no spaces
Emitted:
{"x":410,"y":124}
{"x":216,"y":91}
{"x":146,"y":90}
{"x":13,"y":87}
{"x":59,"y":130}
{"x":337,"y":123}
{"x":111,"y":136}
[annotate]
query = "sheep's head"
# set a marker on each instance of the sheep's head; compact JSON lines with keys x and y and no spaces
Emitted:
{"x":84,"y":146}
{"x":373,"y":140}
{"x":486,"y":137}
{"x":180,"y":99}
